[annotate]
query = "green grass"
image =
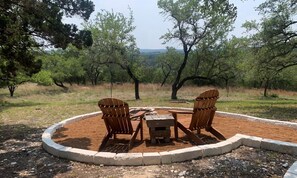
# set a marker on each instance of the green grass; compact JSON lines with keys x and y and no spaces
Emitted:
{"x":39,"y":106}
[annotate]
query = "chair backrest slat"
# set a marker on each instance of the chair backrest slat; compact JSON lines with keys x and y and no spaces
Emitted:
{"x":116,"y":115}
{"x":204,"y":109}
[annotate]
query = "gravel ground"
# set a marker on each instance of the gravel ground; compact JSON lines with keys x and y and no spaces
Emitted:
{"x":21,"y":155}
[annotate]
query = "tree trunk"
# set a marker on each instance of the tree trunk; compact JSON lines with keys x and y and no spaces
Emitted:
{"x":60,"y":84}
{"x":97,"y":74}
{"x":166,"y":75}
{"x":174,"y":90}
{"x":227,"y":86}
{"x":177,"y":84}
{"x":164,"y":80}
{"x":266,"y":88}
{"x":11,"y":89}
{"x":136,"y":83}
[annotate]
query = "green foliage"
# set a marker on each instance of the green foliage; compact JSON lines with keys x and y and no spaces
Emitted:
{"x":193,"y":20}
{"x":64,"y":66}
{"x":275,"y":40}
{"x":195,"y":23}
{"x":43,"y":78}
{"x":114,"y":44}
{"x":27,"y":25}
{"x":273,"y":95}
{"x":168,"y":64}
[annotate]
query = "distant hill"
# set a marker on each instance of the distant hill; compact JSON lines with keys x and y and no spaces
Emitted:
{"x":152,"y":54}
{"x":150,"y":51}
{"x":155,"y":51}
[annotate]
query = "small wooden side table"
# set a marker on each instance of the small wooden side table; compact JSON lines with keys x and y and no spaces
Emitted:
{"x":159,"y":126}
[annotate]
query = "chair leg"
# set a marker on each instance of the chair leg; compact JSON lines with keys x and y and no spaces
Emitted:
{"x":216,"y":133}
{"x":105,"y":140}
{"x":141,"y":131}
{"x":133,"y":137}
{"x":190,"y":134}
{"x":131,"y":142}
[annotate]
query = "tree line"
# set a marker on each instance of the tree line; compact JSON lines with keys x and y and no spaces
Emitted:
{"x":106,"y":51}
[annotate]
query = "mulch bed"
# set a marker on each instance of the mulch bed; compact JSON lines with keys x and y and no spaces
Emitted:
{"x":88,"y":134}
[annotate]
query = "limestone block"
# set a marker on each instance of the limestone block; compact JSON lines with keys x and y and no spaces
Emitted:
{"x":186,"y":154}
{"x":105,"y":158}
{"x":251,"y":141}
{"x":211,"y":150}
{"x":50,"y":146}
{"x":151,"y":158}
{"x":81,"y":155}
{"x":63,"y":152}
{"x":290,"y":175}
{"x":166,"y":157}
{"x":129,"y":159}
{"x":279,"y":146}
{"x":236,"y":141}
{"x":225,"y":146}
{"x":293,"y":169}
{"x":51,"y":130}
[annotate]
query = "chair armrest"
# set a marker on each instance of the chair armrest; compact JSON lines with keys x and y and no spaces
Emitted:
{"x":181,"y":112}
{"x":138,"y":114}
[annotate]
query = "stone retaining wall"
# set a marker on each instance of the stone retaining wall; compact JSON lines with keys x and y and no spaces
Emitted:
{"x":167,"y":157}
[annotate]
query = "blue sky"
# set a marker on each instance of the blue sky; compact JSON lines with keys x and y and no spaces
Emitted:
{"x":151,"y":25}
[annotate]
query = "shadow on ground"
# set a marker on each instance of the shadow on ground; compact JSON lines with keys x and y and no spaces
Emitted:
{"x":21,"y":154}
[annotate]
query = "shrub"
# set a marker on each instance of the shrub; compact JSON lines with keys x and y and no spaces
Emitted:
{"x":43,"y":78}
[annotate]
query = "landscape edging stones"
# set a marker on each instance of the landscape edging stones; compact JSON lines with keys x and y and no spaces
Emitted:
{"x":151,"y":158}
{"x":107,"y":158}
{"x":292,"y":171}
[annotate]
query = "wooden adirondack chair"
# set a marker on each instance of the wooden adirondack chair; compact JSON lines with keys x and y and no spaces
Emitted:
{"x":202,"y":116}
{"x":117,"y":120}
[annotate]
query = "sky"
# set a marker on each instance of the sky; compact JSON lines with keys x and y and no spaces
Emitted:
{"x":151,"y":25}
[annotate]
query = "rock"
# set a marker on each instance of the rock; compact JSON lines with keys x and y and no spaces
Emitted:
{"x":183,"y":173}
{"x":285,"y":165}
{"x":264,"y":170}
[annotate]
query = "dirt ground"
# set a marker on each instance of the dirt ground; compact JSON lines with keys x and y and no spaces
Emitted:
{"x":88,"y":134}
{"x":22,"y":155}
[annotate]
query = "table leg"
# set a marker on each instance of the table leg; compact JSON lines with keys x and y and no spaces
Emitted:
{"x":167,"y":139}
{"x":175,"y":126}
{"x":153,"y":140}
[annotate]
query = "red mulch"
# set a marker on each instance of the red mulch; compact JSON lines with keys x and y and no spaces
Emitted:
{"x":88,"y":134}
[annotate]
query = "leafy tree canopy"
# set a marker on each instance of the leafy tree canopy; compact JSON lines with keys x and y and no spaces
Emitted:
{"x":27,"y":24}
{"x":275,"y":40}
{"x":194,"y":22}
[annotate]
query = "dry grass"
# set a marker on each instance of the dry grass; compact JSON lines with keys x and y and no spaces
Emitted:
{"x":39,"y":106}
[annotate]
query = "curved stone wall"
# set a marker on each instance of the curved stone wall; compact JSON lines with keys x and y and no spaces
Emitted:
{"x":166,"y":157}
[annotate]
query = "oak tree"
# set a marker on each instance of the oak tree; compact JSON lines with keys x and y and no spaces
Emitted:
{"x":192,"y":22}
{"x":115,"y":44}
{"x":27,"y":25}
{"x":275,"y":40}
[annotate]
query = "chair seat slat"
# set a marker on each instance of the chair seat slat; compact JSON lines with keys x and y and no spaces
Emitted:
{"x":116,"y":116}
